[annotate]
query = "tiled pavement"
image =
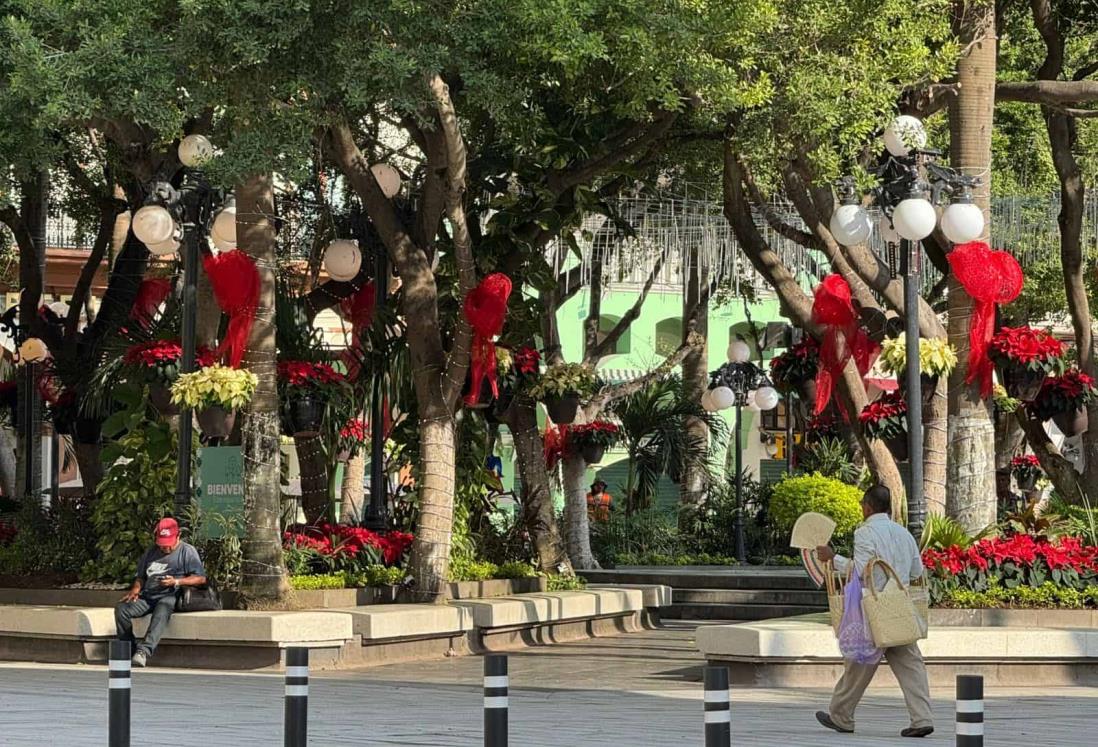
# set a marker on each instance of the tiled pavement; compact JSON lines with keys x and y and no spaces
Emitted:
{"x":631,"y":690}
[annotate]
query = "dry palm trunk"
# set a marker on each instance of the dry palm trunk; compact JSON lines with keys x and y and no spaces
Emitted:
{"x":577,"y":526}
{"x":351,"y":497}
{"x":262,"y":573}
{"x":695,"y":379}
{"x":971,"y":467}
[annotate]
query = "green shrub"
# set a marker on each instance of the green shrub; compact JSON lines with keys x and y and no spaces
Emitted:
{"x":563,"y":582}
{"x":312,"y":583}
{"x":134,"y":494}
{"x":643,"y":533}
{"x":703,"y":558}
{"x":472,"y":570}
{"x":1046,"y":596}
{"x":376,"y":575}
{"x":54,"y":540}
{"x":515,"y":569}
{"x":794,"y":496}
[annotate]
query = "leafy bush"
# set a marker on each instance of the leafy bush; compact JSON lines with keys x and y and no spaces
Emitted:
{"x":941,"y":532}
{"x":515,"y":569}
{"x":462,"y":569}
{"x":377,"y":575}
{"x":658,"y":559}
{"x":563,"y":582}
{"x":794,"y":496}
{"x":54,"y":540}
{"x":830,"y":457}
{"x":324,"y":581}
{"x":643,"y":533}
{"x":135,"y":493}
{"x":1046,"y":596}
{"x":221,"y":556}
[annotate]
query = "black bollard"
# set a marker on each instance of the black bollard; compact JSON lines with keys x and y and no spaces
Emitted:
{"x":718,"y":711}
{"x":970,"y":710}
{"x":297,"y":697}
{"x":118,"y":671}
{"x":495,"y":700}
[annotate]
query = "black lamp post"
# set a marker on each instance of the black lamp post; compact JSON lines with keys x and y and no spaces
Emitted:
{"x":178,"y":220}
{"x":906,"y":176}
{"x":375,"y":517}
{"x":736,"y":384}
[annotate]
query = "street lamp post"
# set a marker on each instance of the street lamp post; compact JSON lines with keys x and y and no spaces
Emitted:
{"x":906,"y":175}
{"x":736,"y":384}
{"x":375,"y":516}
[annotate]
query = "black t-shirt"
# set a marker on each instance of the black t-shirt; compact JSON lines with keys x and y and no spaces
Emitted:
{"x":154,"y":565}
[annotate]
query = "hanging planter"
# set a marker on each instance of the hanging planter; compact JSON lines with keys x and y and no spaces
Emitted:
{"x":306,"y":415}
{"x":161,"y":398}
{"x":1026,"y":469}
{"x":795,"y":370}
{"x":215,"y":393}
{"x":592,"y":453}
{"x":937,"y":358}
{"x":216,"y":422}
{"x":886,"y":419}
{"x":928,"y":387}
{"x":157,"y":363}
{"x":562,"y":410}
{"x":1025,"y":357}
{"x":591,"y":440}
{"x":1072,"y":423}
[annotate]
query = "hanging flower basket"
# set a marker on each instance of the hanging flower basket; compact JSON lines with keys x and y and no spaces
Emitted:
{"x":1024,"y":357}
{"x":216,"y":422}
{"x":592,"y":453}
{"x":1026,"y":469}
{"x":306,"y":415}
{"x":306,"y":388}
{"x":562,"y":409}
{"x":795,"y":370}
{"x":937,"y":358}
{"x":591,"y":440}
{"x":157,"y":363}
{"x":1072,"y":423}
{"x":928,"y":387}
{"x":886,"y":419}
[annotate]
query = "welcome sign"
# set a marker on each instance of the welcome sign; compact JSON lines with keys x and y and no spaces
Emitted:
{"x":220,"y":488}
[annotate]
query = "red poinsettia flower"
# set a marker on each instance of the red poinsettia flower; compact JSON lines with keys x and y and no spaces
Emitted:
{"x":527,"y":360}
{"x":1025,"y":345}
{"x":306,"y":373}
{"x":354,"y":430}
{"x":154,"y":353}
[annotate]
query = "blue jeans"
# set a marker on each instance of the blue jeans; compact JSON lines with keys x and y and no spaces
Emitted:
{"x":161,"y":611}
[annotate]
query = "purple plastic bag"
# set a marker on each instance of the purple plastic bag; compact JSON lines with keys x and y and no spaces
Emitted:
{"x":855,"y":640}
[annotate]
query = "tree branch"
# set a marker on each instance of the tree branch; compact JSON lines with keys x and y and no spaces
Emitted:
{"x":1051,"y":92}
{"x":611,"y":393}
{"x":627,"y":319}
{"x":108,"y":214}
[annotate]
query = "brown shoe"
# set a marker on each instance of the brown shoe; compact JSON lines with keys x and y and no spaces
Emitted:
{"x":825,"y":718}
{"x":917,"y":731}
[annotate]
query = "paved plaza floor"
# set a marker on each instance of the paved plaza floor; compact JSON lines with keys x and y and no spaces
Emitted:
{"x":638,"y":690}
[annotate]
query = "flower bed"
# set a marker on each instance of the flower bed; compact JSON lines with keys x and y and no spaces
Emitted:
{"x":333,"y":548}
{"x":1002,"y":565}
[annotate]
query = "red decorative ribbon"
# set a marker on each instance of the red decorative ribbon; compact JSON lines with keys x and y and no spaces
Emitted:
{"x":150,"y":294}
{"x":485,"y":309}
{"x":843,"y":337}
{"x":234,"y":278}
{"x":990,"y":277}
{"x":358,"y":309}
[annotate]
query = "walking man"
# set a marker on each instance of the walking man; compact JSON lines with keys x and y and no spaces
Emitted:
{"x":881,"y":537}
{"x":599,"y":503}
{"x":162,"y":570}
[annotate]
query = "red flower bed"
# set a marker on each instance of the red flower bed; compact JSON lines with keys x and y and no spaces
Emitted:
{"x":305,"y":373}
{"x":1026,"y":347}
{"x":1019,"y":559}
{"x":347,"y":547}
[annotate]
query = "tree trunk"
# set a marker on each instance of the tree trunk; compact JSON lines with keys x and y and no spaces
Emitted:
{"x":695,"y":379}
{"x":577,"y":528}
{"x":431,"y":550}
{"x":262,"y":572}
{"x":935,"y":444}
{"x":312,"y":461}
{"x":971,"y":465}
{"x":538,"y":515}
{"x":7,"y":462}
{"x":91,"y":467}
{"x":351,"y":496}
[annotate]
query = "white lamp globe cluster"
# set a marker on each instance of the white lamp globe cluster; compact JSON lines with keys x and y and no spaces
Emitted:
{"x":723,"y":398}
{"x":154,"y":226}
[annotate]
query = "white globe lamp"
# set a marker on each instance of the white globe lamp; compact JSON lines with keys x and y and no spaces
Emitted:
{"x":164,"y":248}
{"x":766,"y":398}
{"x":722,"y":398}
{"x":914,"y":218}
{"x":962,"y":222}
{"x":342,"y":260}
{"x":707,"y":401}
{"x":888,"y":233}
{"x":223,"y":229}
{"x":739,"y":352}
{"x":153,"y":224}
{"x":850,"y":225}
{"x":388,"y":178}
{"x":904,"y":135}
{"x":60,"y":308}
{"x":195,"y":150}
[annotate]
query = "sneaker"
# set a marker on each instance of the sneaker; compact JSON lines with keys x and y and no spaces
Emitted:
{"x":917,"y":731}
{"x":140,"y":659}
{"x":825,"y":718}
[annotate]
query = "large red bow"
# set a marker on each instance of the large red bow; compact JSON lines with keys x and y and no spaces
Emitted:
{"x":843,"y":337}
{"x":358,"y":309}
{"x":234,"y":278}
{"x":990,"y":277}
{"x":150,"y":294}
{"x":485,"y":309}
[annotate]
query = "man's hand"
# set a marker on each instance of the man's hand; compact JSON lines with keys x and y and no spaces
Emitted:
{"x":131,"y":596}
{"x":825,"y":553}
{"x":171,"y":581}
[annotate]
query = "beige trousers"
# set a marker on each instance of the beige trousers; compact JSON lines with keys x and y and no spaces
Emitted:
{"x":907,"y":664}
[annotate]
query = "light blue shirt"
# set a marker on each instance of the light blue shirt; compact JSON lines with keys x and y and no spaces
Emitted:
{"x":879,"y":536}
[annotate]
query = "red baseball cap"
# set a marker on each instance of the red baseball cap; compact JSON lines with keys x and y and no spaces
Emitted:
{"x":167,"y":532}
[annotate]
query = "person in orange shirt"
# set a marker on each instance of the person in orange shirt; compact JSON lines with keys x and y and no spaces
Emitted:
{"x":599,"y":502}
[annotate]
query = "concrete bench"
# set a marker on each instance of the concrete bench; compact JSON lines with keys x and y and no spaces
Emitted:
{"x":551,"y":606}
{"x":654,"y":595}
{"x":803,"y":652}
{"x":388,"y":621}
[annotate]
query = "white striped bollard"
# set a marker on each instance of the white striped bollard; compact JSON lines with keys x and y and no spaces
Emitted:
{"x":118,"y":673}
{"x":970,"y":710}
{"x":718,"y":712}
{"x":297,"y":697}
{"x":495,"y":700}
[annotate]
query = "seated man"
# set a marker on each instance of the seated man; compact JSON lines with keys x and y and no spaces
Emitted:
{"x":160,"y":572}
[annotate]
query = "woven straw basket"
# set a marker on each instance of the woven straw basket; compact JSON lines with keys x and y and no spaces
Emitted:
{"x":836,"y":585}
{"x":891,"y":615}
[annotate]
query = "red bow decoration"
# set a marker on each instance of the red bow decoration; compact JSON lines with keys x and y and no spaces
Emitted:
{"x":843,"y":337}
{"x":358,"y":309}
{"x":150,"y":294}
{"x":553,"y":443}
{"x":990,"y":277}
{"x":234,"y":278}
{"x":485,"y":309}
